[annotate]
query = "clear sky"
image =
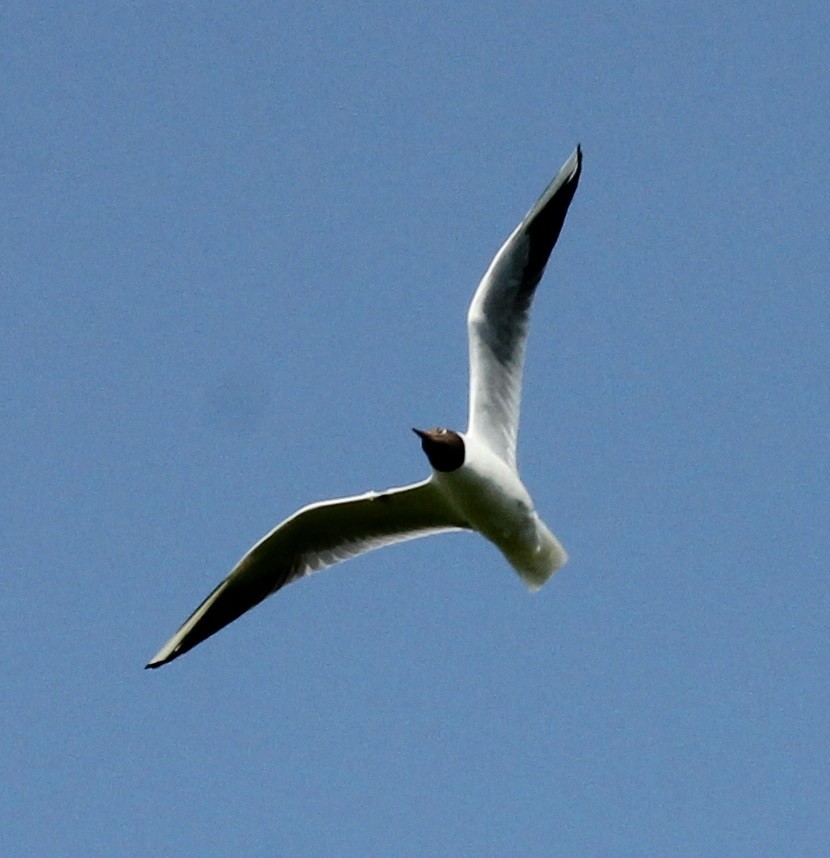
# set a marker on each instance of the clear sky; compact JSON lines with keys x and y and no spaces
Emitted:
{"x":238,"y":242}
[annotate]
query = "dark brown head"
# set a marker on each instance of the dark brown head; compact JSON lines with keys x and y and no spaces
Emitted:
{"x":444,"y":448}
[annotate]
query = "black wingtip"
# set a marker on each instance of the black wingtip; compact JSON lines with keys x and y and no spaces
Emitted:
{"x":157,"y":662}
{"x":545,"y":220}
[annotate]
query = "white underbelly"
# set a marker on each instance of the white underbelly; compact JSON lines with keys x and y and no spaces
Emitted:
{"x":492,"y":498}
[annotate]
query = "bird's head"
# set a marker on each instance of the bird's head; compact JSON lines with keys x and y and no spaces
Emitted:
{"x":443,"y":447}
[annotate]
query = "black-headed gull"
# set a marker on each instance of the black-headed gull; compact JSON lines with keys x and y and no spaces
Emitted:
{"x":474,"y":485}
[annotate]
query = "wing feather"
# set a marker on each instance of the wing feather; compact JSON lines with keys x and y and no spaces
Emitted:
{"x":313,"y":538}
{"x":499,"y":315}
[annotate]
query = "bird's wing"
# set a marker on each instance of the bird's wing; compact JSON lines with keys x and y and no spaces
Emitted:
{"x":316,"y":536}
{"x":499,"y":315}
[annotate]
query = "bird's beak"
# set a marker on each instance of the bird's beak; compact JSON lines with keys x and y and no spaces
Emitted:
{"x":420,"y":433}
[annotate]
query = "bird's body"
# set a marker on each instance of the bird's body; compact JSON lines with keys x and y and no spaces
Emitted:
{"x":474,"y":484}
{"x":491,"y":497}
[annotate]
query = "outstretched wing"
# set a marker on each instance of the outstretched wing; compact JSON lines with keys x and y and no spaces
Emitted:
{"x":499,"y":315}
{"x":316,"y":536}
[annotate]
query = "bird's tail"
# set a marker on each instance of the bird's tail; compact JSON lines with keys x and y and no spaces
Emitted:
{"x":548,"y":555}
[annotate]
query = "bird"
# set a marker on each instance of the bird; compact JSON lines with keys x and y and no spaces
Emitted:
{"x":474,"y":483}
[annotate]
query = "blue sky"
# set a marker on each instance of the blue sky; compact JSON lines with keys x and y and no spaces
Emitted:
{"x":238,"y":242}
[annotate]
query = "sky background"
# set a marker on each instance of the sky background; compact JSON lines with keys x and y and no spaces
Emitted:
{"x":238,"y":242}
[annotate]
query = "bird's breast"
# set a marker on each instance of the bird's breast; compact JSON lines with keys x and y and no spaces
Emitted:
{"x":491,"y":497}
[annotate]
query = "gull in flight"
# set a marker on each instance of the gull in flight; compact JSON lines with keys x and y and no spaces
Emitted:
{"x":474,"y":484}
